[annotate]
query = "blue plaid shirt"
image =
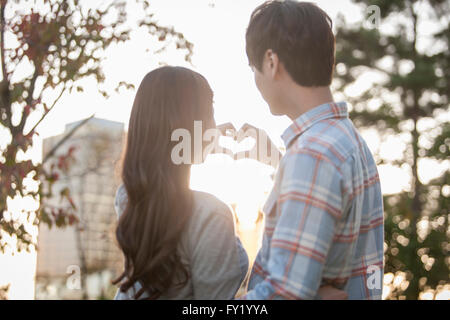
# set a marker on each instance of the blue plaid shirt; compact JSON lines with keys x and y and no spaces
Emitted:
{"x":324,"y":216}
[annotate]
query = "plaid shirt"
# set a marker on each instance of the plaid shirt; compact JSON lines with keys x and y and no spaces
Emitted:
{"x":324,"y":216}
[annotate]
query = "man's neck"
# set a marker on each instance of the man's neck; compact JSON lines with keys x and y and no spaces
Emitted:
{"x":299,"y":100}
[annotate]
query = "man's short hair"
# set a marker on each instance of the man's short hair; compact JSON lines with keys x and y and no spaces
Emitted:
{"x":300,"y":33}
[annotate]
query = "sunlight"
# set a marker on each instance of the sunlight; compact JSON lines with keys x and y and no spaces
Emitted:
{"x":218,"y":173}
{"x":444,"y":294}
{"x":18,"y":270}
{"x":219,"y":55}
{"x":393,"y":179}
{"x":430,"y":169}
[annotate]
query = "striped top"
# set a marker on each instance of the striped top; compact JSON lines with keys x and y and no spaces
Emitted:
{"x":324,"y":216}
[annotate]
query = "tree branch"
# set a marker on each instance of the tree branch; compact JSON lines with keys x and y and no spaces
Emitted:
{"x":2,"y":38}
{"x":28,"y":101}
{"x":48,"y":110}
{"x":65,"y":138}
{"x":4,"y":84}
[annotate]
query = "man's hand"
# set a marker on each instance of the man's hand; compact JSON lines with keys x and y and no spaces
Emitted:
{"x":331,"y":293}
{"x":226,"y":130}
{"x":264,"y":150}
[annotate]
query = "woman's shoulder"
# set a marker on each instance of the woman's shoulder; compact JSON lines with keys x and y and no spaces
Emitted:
{"x":208,"y":205}
{"x":211,"y":215}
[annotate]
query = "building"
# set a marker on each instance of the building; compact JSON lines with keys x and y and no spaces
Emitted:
{"x":88,"y":250}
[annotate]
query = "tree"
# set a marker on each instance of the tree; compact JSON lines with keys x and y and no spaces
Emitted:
{"x":59,"y":42}
{"x":411,"y":68}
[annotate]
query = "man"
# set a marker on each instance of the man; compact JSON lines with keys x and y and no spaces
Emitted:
{"x":324,"y":216}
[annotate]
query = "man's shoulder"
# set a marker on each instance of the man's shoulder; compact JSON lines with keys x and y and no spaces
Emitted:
{"x":329,"y":140}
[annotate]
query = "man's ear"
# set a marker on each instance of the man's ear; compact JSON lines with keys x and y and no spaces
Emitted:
{"x":271,"y":63}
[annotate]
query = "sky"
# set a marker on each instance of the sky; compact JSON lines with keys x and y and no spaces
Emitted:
{"x":217,"y":30}
{"x":218,"y":34}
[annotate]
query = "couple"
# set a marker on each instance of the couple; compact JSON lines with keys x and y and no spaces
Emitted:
{"x":323,"y":234}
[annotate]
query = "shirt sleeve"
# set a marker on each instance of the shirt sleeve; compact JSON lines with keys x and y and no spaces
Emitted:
{"x":308,"y":207}
{"x":120,"y":200}
{"x":217,"y":258}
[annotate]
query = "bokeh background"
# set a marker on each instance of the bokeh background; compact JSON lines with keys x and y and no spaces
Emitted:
{"x":69,"y":74}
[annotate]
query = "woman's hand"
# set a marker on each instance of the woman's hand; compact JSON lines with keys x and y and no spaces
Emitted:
{"x":263,"y":150}
{"x":226,"y":130}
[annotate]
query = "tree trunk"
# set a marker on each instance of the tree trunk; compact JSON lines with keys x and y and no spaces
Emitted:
{"x":415,"y":263}
{"x":80,"y":247}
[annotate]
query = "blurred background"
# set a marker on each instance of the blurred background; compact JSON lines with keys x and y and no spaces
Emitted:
{"x":69,"y":74}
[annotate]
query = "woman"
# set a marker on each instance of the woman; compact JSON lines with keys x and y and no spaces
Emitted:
{"x":177,"y":243}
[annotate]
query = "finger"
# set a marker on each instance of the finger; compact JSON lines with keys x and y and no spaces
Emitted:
{"x":245,"y":132}
{"x":227,"y":125}
{"x":247,"y":126}
{"x":241,"y":155}
{"x":330,"y":293}
{"x":223,"y":128}
{"x":337,"y":295}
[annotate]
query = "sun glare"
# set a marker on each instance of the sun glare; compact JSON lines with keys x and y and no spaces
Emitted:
{"x":250,"y":183}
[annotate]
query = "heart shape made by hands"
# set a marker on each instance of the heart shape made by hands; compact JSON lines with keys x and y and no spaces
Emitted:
{"x":237,"y":141}
{"x":248,"y":142}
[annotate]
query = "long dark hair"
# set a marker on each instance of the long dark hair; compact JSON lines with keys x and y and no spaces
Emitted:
{"x":159,"y":200}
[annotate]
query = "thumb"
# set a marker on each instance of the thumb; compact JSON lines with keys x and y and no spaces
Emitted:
{"x":246,"y":131}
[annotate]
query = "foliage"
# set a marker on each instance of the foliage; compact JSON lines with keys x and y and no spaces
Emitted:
{"x":411,"y":84}
{"x":59,"y":42}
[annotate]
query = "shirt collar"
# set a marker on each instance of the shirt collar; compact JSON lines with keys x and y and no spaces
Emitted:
{"x":307,"y":119}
